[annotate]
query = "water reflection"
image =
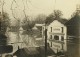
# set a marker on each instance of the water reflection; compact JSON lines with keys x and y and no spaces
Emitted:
{"x":15,"y":37}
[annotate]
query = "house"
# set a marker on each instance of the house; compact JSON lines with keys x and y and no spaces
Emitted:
{"x":37,"y":31}
{"x":57,"y":35}
{"x":73,"y":32}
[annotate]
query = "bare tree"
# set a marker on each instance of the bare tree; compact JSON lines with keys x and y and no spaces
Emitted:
{"x":40,"y":18}
{"x":4,"y":18}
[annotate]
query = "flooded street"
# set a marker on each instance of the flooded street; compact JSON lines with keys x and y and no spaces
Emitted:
{"x":19,"y":40}
{"x":39,"y":28}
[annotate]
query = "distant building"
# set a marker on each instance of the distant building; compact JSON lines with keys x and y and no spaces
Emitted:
{"x":37,"y":29}
{"x":57,"y":34}
{"x":37,"y":34}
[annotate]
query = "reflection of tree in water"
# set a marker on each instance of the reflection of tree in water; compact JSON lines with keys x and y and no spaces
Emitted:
{"x":28,"y":39}
{"x":12,"y":37}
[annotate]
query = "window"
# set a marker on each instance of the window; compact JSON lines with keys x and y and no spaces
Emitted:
{"x":62,"y":29}
{"x":50,"y":36}
{"x":51,"y":29}
{"x":51,"y":39}
{"x":62,"y":38}
{"x":56,"y":37}
{"x":51,"y":44}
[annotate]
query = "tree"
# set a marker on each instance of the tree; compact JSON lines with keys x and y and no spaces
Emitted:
{"x":40,"y":19}
{"x":27,"y":24}
{"x":55,"y":15}
{"x":5,"y":22}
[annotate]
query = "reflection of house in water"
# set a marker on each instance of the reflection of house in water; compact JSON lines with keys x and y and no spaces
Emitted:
{"x":73,"y":31}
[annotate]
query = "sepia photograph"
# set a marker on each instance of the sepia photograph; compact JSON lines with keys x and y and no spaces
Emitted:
{"x":39,"y":28}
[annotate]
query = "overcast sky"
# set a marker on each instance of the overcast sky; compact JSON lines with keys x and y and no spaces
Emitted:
{"x":35,"y":7}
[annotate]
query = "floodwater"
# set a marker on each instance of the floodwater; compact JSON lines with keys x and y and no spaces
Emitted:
{"x":14,"y":37}
{"x":18,"y":40}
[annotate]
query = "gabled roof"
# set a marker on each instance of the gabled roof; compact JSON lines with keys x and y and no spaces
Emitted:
{"x":63,"y":21}
{"x":74,"y":21}
{"x":35,"y":28}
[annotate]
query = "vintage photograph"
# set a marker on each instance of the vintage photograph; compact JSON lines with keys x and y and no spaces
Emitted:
{"x":39,"y":28}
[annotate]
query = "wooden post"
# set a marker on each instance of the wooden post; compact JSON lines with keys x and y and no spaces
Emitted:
{"x":45,"y":42}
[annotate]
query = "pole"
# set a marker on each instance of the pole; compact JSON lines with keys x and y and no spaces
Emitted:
{"x":18,"y":34}
{"x":45,"y":40}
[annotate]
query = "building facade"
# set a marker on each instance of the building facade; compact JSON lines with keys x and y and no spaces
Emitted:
{"x":57,"y":34}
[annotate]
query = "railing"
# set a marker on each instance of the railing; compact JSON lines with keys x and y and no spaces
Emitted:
{"x":57,"y":41}
{"x":56,"y":33}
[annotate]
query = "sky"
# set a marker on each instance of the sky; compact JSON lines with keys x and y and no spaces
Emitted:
{"x":35,"y":7}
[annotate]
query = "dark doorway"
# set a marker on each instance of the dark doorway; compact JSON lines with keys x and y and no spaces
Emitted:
{"x":56,"y":37}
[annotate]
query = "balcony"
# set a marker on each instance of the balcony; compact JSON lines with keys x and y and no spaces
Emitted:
{"x":56,"y":33}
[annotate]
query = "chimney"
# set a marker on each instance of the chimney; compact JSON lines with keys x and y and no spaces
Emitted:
{"x":78,"y":8}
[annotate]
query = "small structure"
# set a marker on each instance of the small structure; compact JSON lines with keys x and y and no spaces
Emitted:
{"x":37,"y":30}
{"x":37,"y":33}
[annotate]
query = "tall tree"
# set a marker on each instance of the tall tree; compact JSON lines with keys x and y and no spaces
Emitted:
{"x":55,"y":15}
{"x":5,"y":22}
